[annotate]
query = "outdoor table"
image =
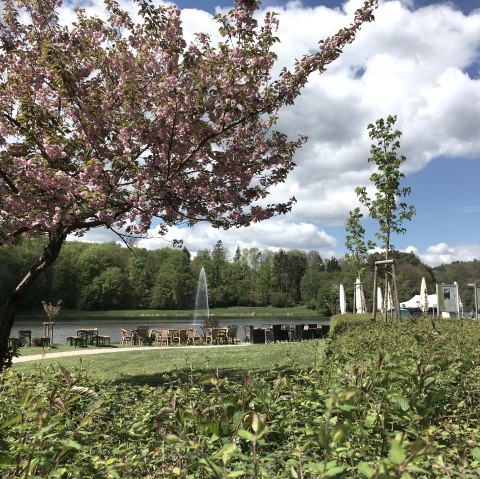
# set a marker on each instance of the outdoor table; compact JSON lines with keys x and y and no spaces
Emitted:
{"x":90,"y":334}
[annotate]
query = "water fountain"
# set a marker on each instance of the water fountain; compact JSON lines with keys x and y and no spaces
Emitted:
{"x":201,"y":300}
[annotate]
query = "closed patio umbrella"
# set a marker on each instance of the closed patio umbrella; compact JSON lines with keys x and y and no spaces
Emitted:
{"x":379,"y":299}
{"x":343,"y":301}
{"x":389,"y":298}
{"x":359,"y":297}
{"x":423,"y":296}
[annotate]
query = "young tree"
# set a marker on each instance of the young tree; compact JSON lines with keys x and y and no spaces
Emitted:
{"x":109,"y":123}
{"x":355,"y":241}
{"x":387,"y":207}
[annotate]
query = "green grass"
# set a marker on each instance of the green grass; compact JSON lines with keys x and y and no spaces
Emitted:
{"x":217,"y":312}
{"x":153,"y":367}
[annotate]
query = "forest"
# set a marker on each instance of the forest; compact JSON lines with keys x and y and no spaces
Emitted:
{"x":106,"y":276}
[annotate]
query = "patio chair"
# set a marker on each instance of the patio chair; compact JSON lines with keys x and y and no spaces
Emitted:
{"x":163,"y":337}
{"x":299,"y":331}
{"x":153,"y":335}
{"x":222,"y":336}
{"x":279,"y":333}
{"x":232,"y":333}
{"x":293,"y":332}
{"x":126,"y":336}
{"x":258,"y":336}
{"x":192,"y":336}
{"x":180,"y":336}
{"x":26,"y":336}
{"x":248,"y":333}
{"x":211,"y":336}
{"x":143,"y":335}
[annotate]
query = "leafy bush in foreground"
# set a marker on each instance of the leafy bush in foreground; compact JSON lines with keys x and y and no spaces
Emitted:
{"x":391,"y":399}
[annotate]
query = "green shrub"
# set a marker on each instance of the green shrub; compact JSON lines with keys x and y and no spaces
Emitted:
{"x":395,"y":399}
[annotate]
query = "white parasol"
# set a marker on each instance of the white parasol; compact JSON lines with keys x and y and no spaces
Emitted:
{"x":423,"y":296}
{"x":359,"y":298}
{"x":389,"y":298}
{"x":379,"y":299}
{"x":343,"y":301}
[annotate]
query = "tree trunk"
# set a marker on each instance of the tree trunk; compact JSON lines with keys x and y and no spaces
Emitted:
{"x":7,"y":314}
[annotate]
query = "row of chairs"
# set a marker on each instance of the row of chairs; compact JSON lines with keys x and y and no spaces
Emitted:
{"x":188,"y":336}
{"x":226,"y":335}
{"x":268,"y":333}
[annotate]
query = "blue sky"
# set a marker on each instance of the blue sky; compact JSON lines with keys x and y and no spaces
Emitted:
{"x":419,"y":60}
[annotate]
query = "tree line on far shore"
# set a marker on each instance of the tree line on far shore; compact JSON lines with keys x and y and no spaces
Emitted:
{"x":93,"y":276}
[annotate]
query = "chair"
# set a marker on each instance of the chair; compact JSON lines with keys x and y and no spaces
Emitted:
{"x":126,"y":336}
{"x":299,"y":331}
{"x":163,"y":337}
{"x":232,"y":333}
{"x":179,"y":335}
{"x":192,"y":335}
{"x":279,"y":333}
{"x":153,"y":335}
{"x":292,"y":332}
{"x":26,"y":336}
{"x":143,"y":335}
{"x":222,"y":336}
{"x":211,"y":336}
{"x":248,"y":332}
{"x":259,"y":336}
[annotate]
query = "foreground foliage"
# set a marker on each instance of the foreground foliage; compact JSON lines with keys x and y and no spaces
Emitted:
{"x":395,"y":399}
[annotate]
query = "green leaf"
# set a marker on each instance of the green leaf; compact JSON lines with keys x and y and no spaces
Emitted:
{"x":400,"y":401}
{"x":247,"y":435}
{"x":475,"y":453}
{"x":226,"y":451}
{"x":397,"y":454}
{"x":365,"y":469}
{"x":334,"y":471}
{"x":236,"y":473}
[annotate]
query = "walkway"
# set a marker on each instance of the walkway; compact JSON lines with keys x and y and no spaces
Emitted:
{"x":87,"y":352}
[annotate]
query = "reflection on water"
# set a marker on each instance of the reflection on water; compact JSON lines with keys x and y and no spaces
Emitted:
{"x":111,"y":326}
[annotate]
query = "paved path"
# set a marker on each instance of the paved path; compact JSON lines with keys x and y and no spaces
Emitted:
{"x":87,"y":352}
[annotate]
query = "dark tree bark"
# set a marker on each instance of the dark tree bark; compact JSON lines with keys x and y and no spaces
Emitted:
{"x":7,"y":314}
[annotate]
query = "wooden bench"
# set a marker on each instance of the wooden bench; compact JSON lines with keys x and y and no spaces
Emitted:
{"x":77,"y":341}
{"x":102,"y":340}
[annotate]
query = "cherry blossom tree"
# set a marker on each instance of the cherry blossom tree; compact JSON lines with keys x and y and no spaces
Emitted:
{"x":114,"y":123}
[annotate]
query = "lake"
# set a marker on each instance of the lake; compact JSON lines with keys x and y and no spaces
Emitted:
{"x":111,"y":326}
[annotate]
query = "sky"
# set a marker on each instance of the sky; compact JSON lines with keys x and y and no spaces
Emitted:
{"x":419,"y":60}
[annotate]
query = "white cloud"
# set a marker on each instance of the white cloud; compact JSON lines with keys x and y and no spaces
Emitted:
{"x":442,"y":253}
{"x":421,"y":65}
{"x":273,"y":234}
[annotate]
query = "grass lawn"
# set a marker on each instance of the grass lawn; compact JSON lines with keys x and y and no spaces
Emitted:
{"x":153,"y":367}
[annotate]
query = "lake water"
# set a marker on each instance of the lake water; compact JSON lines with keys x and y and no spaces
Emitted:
{"x":111,"y":326}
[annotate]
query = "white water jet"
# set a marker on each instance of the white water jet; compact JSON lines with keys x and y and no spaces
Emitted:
{"x":201,"y":301}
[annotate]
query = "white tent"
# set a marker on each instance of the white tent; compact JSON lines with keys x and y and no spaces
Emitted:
{"x":416,"y":301}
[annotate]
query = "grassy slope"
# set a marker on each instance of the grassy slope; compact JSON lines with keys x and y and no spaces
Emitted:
{"x":146,"y":366}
